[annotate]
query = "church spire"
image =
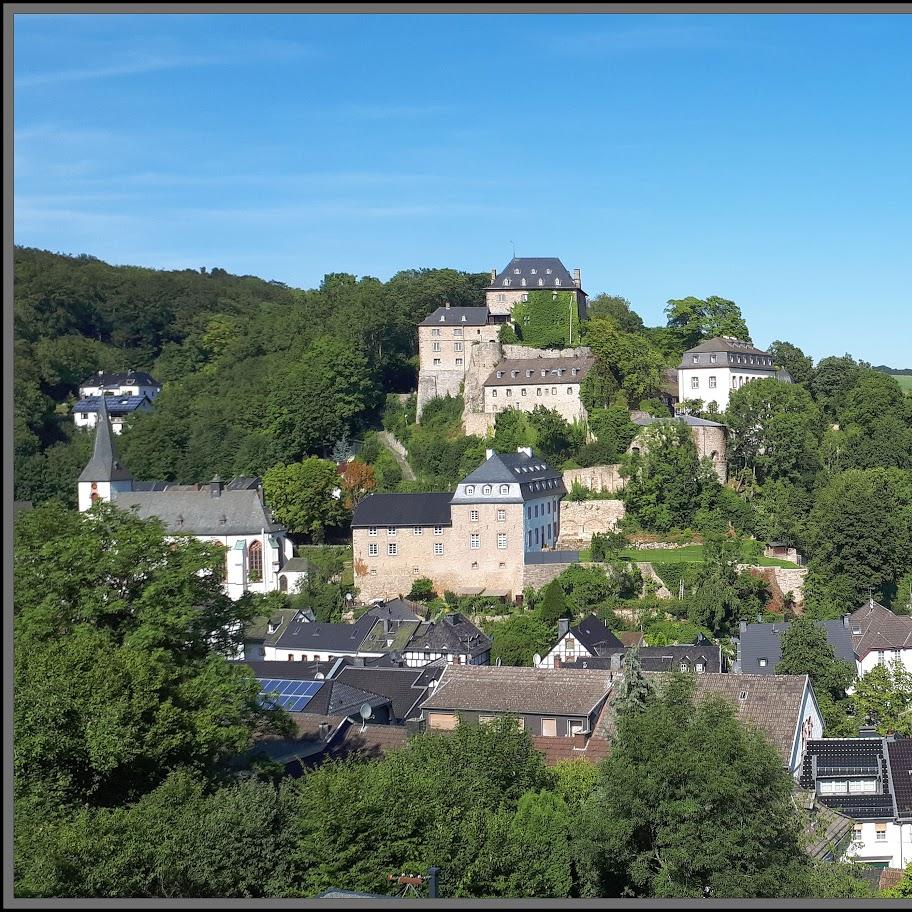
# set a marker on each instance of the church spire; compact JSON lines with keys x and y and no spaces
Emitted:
{"x":104,"y":464}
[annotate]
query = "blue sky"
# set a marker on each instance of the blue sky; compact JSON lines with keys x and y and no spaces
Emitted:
{"x":765,"y":159}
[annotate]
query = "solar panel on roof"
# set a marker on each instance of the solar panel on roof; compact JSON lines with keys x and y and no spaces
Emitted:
{"x":291,"y":695}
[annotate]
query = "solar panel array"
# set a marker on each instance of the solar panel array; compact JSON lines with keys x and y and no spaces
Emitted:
{"x":292,"y":695}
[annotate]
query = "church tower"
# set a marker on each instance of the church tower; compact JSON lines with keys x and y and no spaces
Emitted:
{"x":104,"y":475}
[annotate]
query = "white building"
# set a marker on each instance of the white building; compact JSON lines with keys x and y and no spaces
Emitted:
{"x":127,"y":383}
{"x":880,"y":637}
{"x":712,"y":370}
{"x":590,"y":638}
{"x":233,"y":516}
{"x":527,"y":383}
{"x":119,"y":408}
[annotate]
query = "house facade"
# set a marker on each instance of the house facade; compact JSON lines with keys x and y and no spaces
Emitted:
{"x":473,"y":541}
{"x":126,"y":383}
{"x":119,"y":408}
{"x":588,"y":639}
{"x":521,"y":275}
{"x":256,"y":547}
{"x":880,"y":637}
{"x":525,"y":384}
{"x":712,"y":370}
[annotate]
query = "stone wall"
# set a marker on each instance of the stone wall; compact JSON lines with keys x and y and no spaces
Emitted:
{"x":580,"y":519}
{"x":604,"y":478}
{"x":538,"y":575}
{"x":483,"y":358}
{"x":437,"y":384}
{"x":522,"y":352}
{"x":782,"y":580}
{"x":477,"y":424}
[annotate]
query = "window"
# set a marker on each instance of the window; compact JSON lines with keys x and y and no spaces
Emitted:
{"x":881,"y":657}
{"x":536,"y":509}
{"x":391,"y":530}
{"x":569,"y":390}
{"x":528,"y":512}
{"x":484,"y":720}
{"x":470,"y":489}
{"x":694,"y":383}
{"x":862,"y":786}
{"x":524,"y":391}
{"x":577,"y":727}
{"x":486,"y":490}
{"x":493,"y":394}
{"x":474,"y":541}
{"x":712,"y":383}
{"x":459,"y":362}
{"x":504,"y":489}
{"x":502,"y":541}
{"x":371,"y":530}
{"x":856,"y":832}
{"x":538,"y":391}
{"x":438,"y":530}
{"x":373,"y":549}
{"x":712,"y":359}
{"x":438,"y":548}
{"x":458,"y":333}
{"x":509,"y":393}
{"x":685,"y":666}
{"x":436,"y":346}
{"x":436,"y":362}
{"x":696,"y":359}
{"x":417,"y":530}
{"x":457,"y":346}
{"x":473,"y":515}
{"x":255,"y":561}
{"x":392,"y":549}
{"x":435,"y":331}
{"x":290,"y":656}
{"x":701,"y":667}
{"x":553,"y":390}
{"x":880,"y":832}
{"x":549,"y":728}
{"x":501,"y":298}
{"x":762,"y":663}
{"x":501,"y":515}
{"x":834,"y":787}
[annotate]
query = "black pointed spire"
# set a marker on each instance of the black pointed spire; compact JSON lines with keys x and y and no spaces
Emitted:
{"x":104,"y":464}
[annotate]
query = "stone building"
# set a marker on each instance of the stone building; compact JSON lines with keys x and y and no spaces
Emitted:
{"x":445,"y":342}
{"x":521,"y":275}
{"x":526,"y":383}
{"x":231,"y":515}
{"x":473,"y":541}
{"x":713,"y":369}
{"x":709,"y":437}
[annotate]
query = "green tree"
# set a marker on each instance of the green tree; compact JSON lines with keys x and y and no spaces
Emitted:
{"x":614,"y":430}
{"x":306,"y":496}
{"x":618,"y":309}
{"x":692,"y":320}
{"x":806,"y":650}
{"x":883,"y":698}
{"x":422,"y":590}
{"x":519,"y":637}
{"x":691,"y":802}
{"x":119,"y":669}
{"x":636,"y":693}
{"x":791,"y":358}
{"x":547,"y":319}
{"x":553,"y":604}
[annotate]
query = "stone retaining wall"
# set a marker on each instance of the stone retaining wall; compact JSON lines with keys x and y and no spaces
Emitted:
{"x":580,"y":519}
{"x":603,"y":478}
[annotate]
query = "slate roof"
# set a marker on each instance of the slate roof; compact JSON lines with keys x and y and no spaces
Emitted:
{"x":199,"y":513}
{"x":726,"y":351}
{"x":759,"y":641}
{"x":547,"y":269}
{"x":258,"y":630}
{"x":104,"y":464}
{"x":403,"y":687}
{"x":532,"y":691}
{"x":122,"y":378}
{"x":288,"y":671}
{"x":398,"y":609}
{"x":551,"y":366}
{"x":845,"y":758}
{"x":403,"y":510}
{"x":326,"y":637}
{"x":879,"y":628}
{"x":593,"y":633}
{"x":453,"y":633}
{"x":116,"y":405}
{"x":512,"y":467}
{"x":899,"y":751}
{"x":297,"y":565}
{"x":669,"y":658}
{"x":457,"y":316}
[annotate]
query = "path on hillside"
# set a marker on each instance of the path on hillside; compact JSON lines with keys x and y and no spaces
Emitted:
{"x":399,"y":453}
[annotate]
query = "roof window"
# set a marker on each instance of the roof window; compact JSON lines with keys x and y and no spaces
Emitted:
{"x":515,"y":272}
{"x":742,"y":696}
{"x":547,"y":272}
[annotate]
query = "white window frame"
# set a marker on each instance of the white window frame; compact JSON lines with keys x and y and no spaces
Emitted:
{"x":417,"y":530}
{"x":373,"y":549}
{"x":474,"y":542}
{"x":473,"y":515}
{"x":501,"y":515}
{"x":694,"y":383}
{"x":438,"y":548}
{"x":391,"y":530}
{"x":436,"y":347}
{"x":438,"y":530}
{"x":392,"y":549}
{"x":502,"y":541}
{"x":372,"y":530}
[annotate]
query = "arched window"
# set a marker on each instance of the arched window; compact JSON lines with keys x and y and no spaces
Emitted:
{"x":486,"y":489}
{"x":283,"y":584}
{"x":255,"y":561}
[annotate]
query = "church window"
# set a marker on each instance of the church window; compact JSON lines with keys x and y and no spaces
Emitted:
{"x":255,"y":561}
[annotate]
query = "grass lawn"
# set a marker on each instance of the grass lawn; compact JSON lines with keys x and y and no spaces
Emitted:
{"x":905,"y":381}
{"x":686,"y":553}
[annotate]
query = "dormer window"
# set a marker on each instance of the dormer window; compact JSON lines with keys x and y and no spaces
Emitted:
{"x":506,"y":281}
{"x":486,"y":489}
{"x":696,"y":359}
{"x":547,"y":272}
{"x":515,"y":272}
{"x":541,"y":281}
{"x":532,"y":271}
{"x":574,"y":371}
{"x":528,"y":373}
{"x":463,"y":318}
{"x":499,"y":374}
{"x":523,"y":283}
{"x":514,"y":373}
{"x":470,"y":489}
{"x":504,"y":489}
{"x":443,"y":318}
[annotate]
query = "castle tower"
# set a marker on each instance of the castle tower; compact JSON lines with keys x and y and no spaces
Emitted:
{"x":104,"y":475}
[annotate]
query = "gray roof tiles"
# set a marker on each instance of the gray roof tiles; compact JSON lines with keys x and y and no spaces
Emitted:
{"x":121,"y":378}
{"x":457,"y":316}
{"x":528,"y":371}
{"x":326,"y":637}
{"x":538,"y":272}
{"x":879,"y":628}
{"x":762,"y":641}
{"x":454,"y":634}
{"x":593,"y":633}
{"x":200,"y":513}
{"x":899,"y":752}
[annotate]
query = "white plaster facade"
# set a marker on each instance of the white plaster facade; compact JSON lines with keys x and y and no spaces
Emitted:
{"x":881,"y":842}
{"x":86,"y":420}
{"x":714,"y":369}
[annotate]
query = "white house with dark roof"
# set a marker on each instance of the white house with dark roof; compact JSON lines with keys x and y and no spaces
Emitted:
{"x":589,"y":638}
{"x":712,"y":370}
{"x":880,"y":637}
{"x":119,"y":408}
{"x":124,"y":383}
{"x":521,"y":275}
{"x":475,"y":540}
{"x":256,"y":546}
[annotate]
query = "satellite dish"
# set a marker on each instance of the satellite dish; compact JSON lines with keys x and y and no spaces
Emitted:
{"x":536,"y":660}
{"x":319,"y":676}
{"x":366,"y":711}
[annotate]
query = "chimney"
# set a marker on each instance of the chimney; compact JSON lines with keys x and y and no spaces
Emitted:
{"x":845,"y":620}
{"x":563,"y":625}
{"x":446,"y":305}
{"x":616,"y":661}
{"x":742,"y":626}
{"x":489,"y":453}
{"x":526,"y":450}
{"x":577,"y":280}
{"x":215,"y":487}
{"x":493,"y":275}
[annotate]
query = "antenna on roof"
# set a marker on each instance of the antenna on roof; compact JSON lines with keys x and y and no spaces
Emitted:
{"x":514,"y":249}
